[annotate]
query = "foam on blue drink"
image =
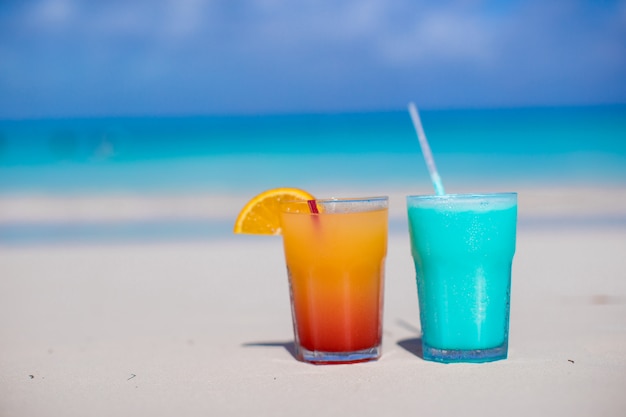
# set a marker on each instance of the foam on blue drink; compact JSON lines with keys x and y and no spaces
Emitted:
{"x":467,"y":202}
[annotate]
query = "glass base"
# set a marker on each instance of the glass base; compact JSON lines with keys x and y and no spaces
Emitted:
{"x":328,"y":358}
{"x":470,"y":355}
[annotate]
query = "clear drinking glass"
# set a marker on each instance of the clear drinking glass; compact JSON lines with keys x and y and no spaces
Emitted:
{"x":463,"y":247}
{"x":335,"y":263}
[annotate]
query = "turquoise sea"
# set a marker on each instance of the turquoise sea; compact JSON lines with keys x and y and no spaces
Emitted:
{"x":248,"y":153}
{"x":243,"y":155}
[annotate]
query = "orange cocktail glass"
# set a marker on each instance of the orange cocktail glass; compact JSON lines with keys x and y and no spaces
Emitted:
{"x":335,"y":263}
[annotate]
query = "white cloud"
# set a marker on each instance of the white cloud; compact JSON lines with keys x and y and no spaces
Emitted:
{"x":325,"y":50}
{"x":50,"y":14}
{"x":183,"y":18}
{"x":441,"y":36}
{"x":394,"y":34}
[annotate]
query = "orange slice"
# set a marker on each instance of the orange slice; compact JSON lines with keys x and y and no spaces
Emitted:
{"x":261,"y":216}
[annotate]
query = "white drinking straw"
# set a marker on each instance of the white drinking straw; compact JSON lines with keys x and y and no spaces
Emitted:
{"x":428,"y":156}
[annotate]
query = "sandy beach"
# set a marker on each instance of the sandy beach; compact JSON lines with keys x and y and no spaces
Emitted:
{"x":200,"y":327}
{"x":571,"y":201}
{"x":132,"y":133}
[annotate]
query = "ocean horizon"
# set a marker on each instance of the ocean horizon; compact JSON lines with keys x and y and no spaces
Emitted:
{"x":542,"y":145}
{"x":145,"y":179}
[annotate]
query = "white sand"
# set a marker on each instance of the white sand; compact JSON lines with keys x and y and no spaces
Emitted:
{"x":572,"y":201}
{"x":200,"y":329}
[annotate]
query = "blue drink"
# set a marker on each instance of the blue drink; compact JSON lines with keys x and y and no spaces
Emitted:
{"x":463,"y":247}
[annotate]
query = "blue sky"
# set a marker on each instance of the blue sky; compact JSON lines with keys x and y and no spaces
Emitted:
{"x":178,"y":57}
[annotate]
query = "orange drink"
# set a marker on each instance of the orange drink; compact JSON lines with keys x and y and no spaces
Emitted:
{"x":335,"y":263}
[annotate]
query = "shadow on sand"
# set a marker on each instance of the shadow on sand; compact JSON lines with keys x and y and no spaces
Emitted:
{"x":288,"y":346}
{"x":412,"y":345}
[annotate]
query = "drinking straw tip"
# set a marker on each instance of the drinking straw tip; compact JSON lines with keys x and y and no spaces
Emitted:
{"x":312,"y":206}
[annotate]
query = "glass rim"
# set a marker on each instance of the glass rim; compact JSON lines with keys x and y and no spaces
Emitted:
{"x":335,"y":206}
{"x":340,"y":200}
{"x":506,"y":194}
